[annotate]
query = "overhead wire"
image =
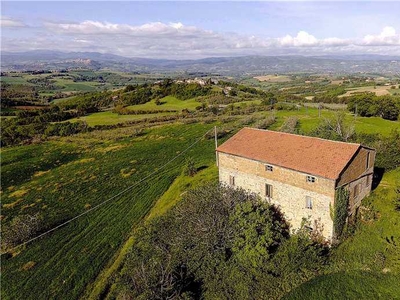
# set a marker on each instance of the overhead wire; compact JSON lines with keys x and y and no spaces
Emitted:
{"x":113,"y":197}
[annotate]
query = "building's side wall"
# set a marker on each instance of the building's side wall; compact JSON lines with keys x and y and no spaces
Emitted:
{"x":357,"y":177}
{"x":322,"y":185}
{"x":358,"y":166}
{"x":290,"y":189}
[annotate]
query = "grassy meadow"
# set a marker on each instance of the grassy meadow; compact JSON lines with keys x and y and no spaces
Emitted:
{"x":62,"y":178}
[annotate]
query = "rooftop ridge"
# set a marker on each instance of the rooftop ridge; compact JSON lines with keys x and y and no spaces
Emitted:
{"x":313,"y":155}
{"x":300,"y":135}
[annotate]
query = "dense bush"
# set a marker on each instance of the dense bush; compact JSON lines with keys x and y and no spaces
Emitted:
{"x":219,"y":243}
{"x":368,"y":104}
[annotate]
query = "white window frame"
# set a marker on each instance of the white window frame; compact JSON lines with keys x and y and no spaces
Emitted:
{"x":311,"y":179}
{"x":269,"y":168}
{"x":309,"y":203}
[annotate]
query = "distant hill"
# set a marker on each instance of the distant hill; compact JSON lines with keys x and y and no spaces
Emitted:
{"x":234,"y":66}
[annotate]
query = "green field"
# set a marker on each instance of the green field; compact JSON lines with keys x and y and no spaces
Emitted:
{"x":168,"y":103}
{"x":63,"y":178}
{"x":309,"y":119}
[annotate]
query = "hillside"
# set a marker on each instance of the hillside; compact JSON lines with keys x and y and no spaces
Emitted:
{"x":101,"y":156}
{"x":228,"y":66}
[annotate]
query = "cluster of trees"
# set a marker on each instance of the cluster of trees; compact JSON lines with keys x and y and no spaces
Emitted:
{"x":89,"y":102}
{"x":331,"y":96}
{"x":17,"y":94}
{"x":45,"y":83}
{"x":122,"y":110}
{"x":139,"y":94}
{"x":14,"y":134}
{"x":31,"y":125}
{"x":368,"y":104}
{"x":219,"y":243}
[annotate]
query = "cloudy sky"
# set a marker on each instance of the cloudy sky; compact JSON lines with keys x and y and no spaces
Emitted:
{"x":182,"y":30}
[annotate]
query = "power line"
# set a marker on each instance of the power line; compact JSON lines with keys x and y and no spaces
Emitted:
{"x":109,"y":199}
{"x":88,"y":186}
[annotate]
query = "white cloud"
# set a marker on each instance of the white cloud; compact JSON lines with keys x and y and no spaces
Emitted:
{"x":179,"y":41}
{"x":10,"y":22}
{"x":302,"y":39}
{"x":388,"y":36}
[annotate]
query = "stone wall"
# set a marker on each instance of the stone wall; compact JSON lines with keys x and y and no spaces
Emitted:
{"x":290,"y":189}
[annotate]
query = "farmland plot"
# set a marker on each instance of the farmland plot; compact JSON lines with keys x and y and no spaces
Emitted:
{"x":63,"y":178}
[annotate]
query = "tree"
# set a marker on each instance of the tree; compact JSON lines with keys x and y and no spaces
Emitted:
{"x":219,"y":243}
{"x":388,"y":108}
{"x":335,"y":128}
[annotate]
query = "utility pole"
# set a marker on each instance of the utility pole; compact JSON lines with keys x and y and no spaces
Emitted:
{"x":319,"y":110}
{"x":216,"y":144}
{"x":355,"y":113}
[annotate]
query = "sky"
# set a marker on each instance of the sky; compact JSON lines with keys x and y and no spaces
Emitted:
{"x":192,"y":30}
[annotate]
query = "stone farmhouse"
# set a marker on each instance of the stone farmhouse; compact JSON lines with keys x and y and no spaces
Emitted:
{"x":299,"y":174}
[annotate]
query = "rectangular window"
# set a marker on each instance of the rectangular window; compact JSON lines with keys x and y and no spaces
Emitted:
{"x":268,"y":190}
{"x":310,"y":178}
{"x":269,"y":168}
{"x":232,"y":180}
{"x":308,"y":202}
{"x":368,"y":155}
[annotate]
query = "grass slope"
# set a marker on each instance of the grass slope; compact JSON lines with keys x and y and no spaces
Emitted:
{"x":174,"y":193}
{"x":63,"y":263}
{"x":367,"y":264}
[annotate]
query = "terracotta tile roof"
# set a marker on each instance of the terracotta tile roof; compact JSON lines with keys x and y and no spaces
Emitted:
{"x":310,"y":155}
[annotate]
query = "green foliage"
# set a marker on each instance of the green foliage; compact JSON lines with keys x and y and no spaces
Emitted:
{"x":368,"y":104}
{"x":219,"y":243}
{"x":335,"y":128}
{"x":340,"y":212}
{"x":330,"y":96}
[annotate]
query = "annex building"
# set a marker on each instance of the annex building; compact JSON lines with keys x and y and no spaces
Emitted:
{"x":299,"y":174}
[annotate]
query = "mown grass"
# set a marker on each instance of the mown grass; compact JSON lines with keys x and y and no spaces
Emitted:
{"x":168,"y":103}
{"x":367,"y":264}
{"x":309,"y":119}
{"x":66,"y":261}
